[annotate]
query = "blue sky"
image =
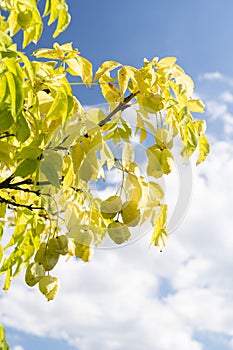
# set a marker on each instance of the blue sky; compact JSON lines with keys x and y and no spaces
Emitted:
{"x":134,"y":297}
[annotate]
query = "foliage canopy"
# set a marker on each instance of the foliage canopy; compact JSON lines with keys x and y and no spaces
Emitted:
{"x":52,"y":150}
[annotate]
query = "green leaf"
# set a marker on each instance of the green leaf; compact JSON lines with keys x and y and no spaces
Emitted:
{"x":24,"y":19}
{"x":27,"y":167}
{"x":12,"y":89}
{"x":30,"y":152}
{"x":6,"y":120}
{"x":22,"y":128}
{"x":204,"y":149}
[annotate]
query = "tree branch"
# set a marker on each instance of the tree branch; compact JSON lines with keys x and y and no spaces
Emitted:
{"x":30,"y":206}
{"x":121,"y":107}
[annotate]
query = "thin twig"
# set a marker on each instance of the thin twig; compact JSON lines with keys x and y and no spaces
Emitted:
{"x":121,"y":107}
{"x":15,"y":204}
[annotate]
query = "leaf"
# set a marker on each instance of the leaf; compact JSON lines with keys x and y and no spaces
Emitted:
{"x":105,"y":68}
{"x":118,"y":232}
{"x":51,"y":166}
{"x":77,"y":155}
{"x":48,"y":286}
{"x":5,"y":40}
{"x":5,"y":152}
{"x":3,"y":342}
{"x":123,"y":78}
{"x":187,"y":84}
{"x":47,"y":258}
{"x":12,"y":89}
{"x":166,"y":62}
{"x":133,"y":188}
{"x":89,"y":168}
{"x":59,"y":107}
{"x":22,"y":128}
{"x":196,"y":106}
{"x":153,"y":102}
{"x":107,"y":156}
{"x":154,"y":167}
{"x":204,"y":149}
{"x":167,"y":162}
{"x":7,"y":282}
{"x":30,"y":152}
{"x":110,"y":92}
{"x":127,"y":155}
{"x":200,"y":126}
{"x":82,"y":67}
{"x":63,"y":18}
{"x":27,"y":167}
{"x":83,"y":252}
{"x":15,"y":80}
{"x":160,"y":235}
{"x":24,"y":18}
{"x":6,"y":120}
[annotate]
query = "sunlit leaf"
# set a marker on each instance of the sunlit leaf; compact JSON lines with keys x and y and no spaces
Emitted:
{"x":204,"y":149}
{"x":160,"y":235}
{"x":106,"y":67}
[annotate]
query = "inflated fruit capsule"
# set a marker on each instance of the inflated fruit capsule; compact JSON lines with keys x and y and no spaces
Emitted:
{"x":58,"y":245}
{"x":110,"y":207}
{"x":118,"y":232}
{"x":130,"y":213}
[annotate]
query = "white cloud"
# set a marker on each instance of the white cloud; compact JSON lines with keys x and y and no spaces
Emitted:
{"x":216,"y":109}
{"x":227,"y":96}
{"x":18,"y":347}
{"x":212,"y":76}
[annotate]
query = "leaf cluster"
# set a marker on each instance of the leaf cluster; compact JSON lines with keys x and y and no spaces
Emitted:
{"x":52,"y":150}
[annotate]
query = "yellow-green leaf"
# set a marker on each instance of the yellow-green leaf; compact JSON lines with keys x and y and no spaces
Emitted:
{"x":123,"y":78}
{"x":127,"y":155}
{"x":89,"y":168}
{"x":204,"y":148}
{"x":48,"y":286}
{"x":82,"y":67}
{"x":27,"y":167}
{"x":167,"y":162}
{"x":160,"y":234}
{"x":196,"y":106}
{"x":106,"y":67}
{"x":22,"y":128}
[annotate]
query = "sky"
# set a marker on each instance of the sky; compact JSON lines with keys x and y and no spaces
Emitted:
{"x":136,"y":297}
